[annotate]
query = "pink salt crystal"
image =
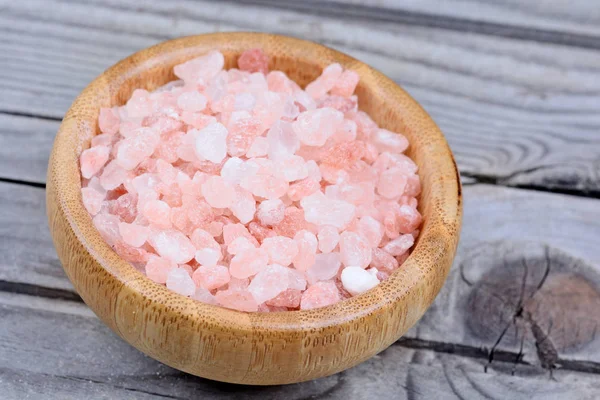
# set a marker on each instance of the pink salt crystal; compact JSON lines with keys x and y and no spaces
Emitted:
{"x":133,"y":234}
{"x":200,"y":69}
{"x":258,"y":148}
{"x":191,"y":101}
{"x":238,"y":284}
{"x":240,"y":300}
{"x":343,"y":104}
{"x":345,"y":84}
{"x":392,"y":183}
{"x":265,"y":185}
{"x":413,"y":186}
{"x":270,"y":212}
{"x":165,"y":171}
{"x":173,"y":245}
{"x":389,"y":141}
{"x":400,"y":245}
{"x":324,"y":83}
{"x":92,"y":160}
{"x":282,"y":141}
{"x":382,"y":260}
{"x":235,"y":169}
{"x":328,"y":238}
{"x":208,"y":257}
{"x":293,"y":221}
{"x":158,"y":213}
{"x":366,"y":126}
{"x":239,"y":244}
{"x":217,"y":192}
{"x":92,"y":200}
{"x":297,"y":279}
{"x":130,"y":253}
{"x":179,"y":281}
{"x":125,"y":207}
{"x":293,"y":168}
{"x":303,"y":188}
{"x":281,"y":250}
{"x":108,"y":227}
{"x":356,"y":280}
{"x":320,"y":294}
{"x":346,"y":132}
{"x":321,"y":210}
{"x":201,"y":239}
{"x":326,"y":267}
{"x":344,"y":154}
{"x":371,"y":229}
{"x":355,"y":250}
{"x":254,"y":60}
{"x":211,"y":143}
{"x":269,"y":283}
{"x":248,"y":263}
{"x":197,"y":120}
{"x":279,"y":82}
{"x":307,"y":249}
{"x":211,"y":277}
{"x":288,"y":298}
{"x":108,"y":121}
{"x":103,"y":139}
{"x":260,"y":232}
{"x":136,"y":148}
{"x":409,"y":219}
{"x":233,"y":231}
{"x":243,"y":205}
{"x":244,"y":101}
{"x":390,"y":224}
{"x":315,"y":127}
{"x":204,"y":296}
{"x":215,"y":228}
{"x":157,"y":268}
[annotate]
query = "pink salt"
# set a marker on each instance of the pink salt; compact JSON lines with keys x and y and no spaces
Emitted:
{"x":238,"y":188}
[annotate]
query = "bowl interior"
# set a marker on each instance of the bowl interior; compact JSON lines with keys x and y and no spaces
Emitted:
{"x":368,"y":322}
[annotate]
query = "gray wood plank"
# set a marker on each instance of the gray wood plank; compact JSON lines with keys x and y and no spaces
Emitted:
{"x":25,"y":145}
{"x":59,"y":350}
{"x":515,"y":112}
{"x":527,"y":272}
{"x":502,"y":227}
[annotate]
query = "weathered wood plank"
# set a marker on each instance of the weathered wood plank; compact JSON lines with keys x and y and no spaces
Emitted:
{"x":25,"y":145}
{"x":578,"y":17}
{"x":527,"y":272}
{"x":60,"y":350}
{"x":502,"y":227}
{"x":534,"y":104}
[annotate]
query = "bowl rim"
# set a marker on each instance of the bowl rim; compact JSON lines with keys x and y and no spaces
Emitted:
{"x":123,"y":273}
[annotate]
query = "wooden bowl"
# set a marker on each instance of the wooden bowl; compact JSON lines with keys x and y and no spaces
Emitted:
{"x":252,"y":348}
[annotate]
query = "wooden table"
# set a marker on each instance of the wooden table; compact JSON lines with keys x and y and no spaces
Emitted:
{"x":514,"y":85}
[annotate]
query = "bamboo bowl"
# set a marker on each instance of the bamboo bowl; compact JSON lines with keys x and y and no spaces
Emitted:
{"x":232,"y":346}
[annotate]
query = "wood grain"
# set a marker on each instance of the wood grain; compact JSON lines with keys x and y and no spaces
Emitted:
{"x":227,"y":345}
{"x":535,"y":104}
{"x":60,"y":350}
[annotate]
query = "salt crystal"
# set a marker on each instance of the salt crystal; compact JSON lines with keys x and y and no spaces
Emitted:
{"x":315,"y":127}
{"x":320,"y":294}
{"x":211,"y":143}
{"x":320,"y":210}
{"x":409,"y":219}
{"x":307,"y":249}
{"x":282,"y":141}
{"x":371,"y":229}
{"x":133,"y":234}
{"x":92,"y":200}
{"x":258,"y":148}
{"x":268,"y":283}
{"x":356,"y":280}
{"x":108,"y":121}
{"x":179,"y":281}
{"x":158,"y":268}
{"x":204,"y":296}
{"x":92,"y":160}
{"x":326,"y":267}
{"x":355,"y":250}
{"x":191,"y":101}
{"x":211,"y":277}
{"x":383,"y":260}
{"x":288,"y":298}
{"x":345,"y":84}
{"x":292,"y":168}
{"x":281,"y":250}
{"x":329,"y":238}
{"x":270,"y":212}
{"x":248,"y":262}
{"x":208,"y":257}
{"x":392,"y":183}
{"x":173,"y":245}
{"x":240,"y":300}
{"x":158,"y":213}
{"x":400,"y":245}
{"x":239,"y":244}
{"x":217,"y":192}
{"x":254,"y":60}
{"x":200,"y":69}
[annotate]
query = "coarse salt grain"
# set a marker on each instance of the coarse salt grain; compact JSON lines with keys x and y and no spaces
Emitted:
{"x":238,"y":188}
